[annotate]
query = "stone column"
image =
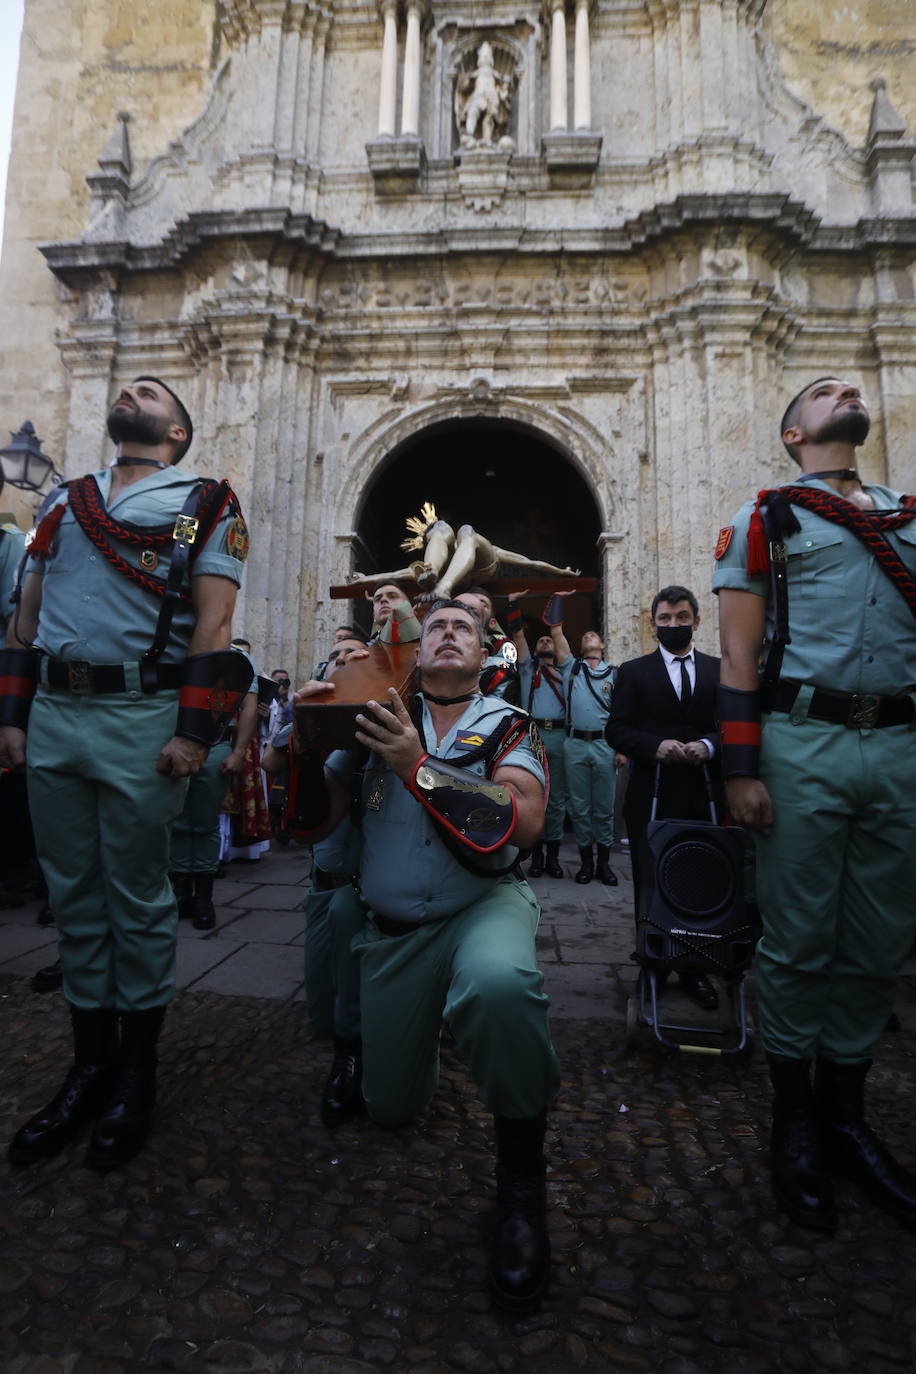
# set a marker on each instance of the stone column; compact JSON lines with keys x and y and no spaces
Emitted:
{"x":558,"y":99}
{"x":410,"y":104}
{"x":582,"y":84}
{"x":387,"y":99}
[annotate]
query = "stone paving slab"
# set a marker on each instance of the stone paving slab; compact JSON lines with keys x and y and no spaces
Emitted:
{"x":273,"y":971}
{"x":246,"y":1237}
{"x":266,"y":927}
{"x":199,"y":956}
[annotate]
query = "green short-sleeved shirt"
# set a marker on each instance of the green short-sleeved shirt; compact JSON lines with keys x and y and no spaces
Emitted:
{"x":850,"y":628}
{"x":541,"y":700}
{"x":590,"y":695}
{"x":91,"y":611}
{"x":406,"y":871}
{"x":12,"y":543}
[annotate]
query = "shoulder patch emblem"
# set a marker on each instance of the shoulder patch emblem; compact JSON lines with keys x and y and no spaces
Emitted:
{"x":724,"y":539}
{"x":237,"y":540}
{"x":509,"y":651}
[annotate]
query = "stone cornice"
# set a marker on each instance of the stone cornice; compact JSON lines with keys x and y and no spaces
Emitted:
{"x":78,"y":262}
{"x":75,"y":263}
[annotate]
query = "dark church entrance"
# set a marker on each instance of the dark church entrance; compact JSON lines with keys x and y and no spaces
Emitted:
{"x":518,"y":490}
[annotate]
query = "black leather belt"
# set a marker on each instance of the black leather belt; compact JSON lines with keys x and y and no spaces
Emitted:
{"x":324,"y":881}
{"x":85,"y":679}
{"x":856,"y":710}
{"x":586,"y":734}
{"x":556,"y":723}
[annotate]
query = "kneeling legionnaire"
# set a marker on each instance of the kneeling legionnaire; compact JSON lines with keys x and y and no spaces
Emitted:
{"x":124,"y":616}
{"x":446,"y":799}
{"x":818,"y":752}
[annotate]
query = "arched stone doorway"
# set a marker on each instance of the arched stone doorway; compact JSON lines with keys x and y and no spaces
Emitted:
{"x":506,"y":480}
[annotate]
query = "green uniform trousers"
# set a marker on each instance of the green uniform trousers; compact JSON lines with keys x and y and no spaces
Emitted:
{"x":478,"y":971}
{"x":590,"y":786}
{"x":555,"y":816}
{"x":834,"y":884}
{"x":195,"y":834}
{"x":332,"y":919}
{"x":102,"y":816}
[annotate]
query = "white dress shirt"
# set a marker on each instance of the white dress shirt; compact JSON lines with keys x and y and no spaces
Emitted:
{"x":673,"y":663}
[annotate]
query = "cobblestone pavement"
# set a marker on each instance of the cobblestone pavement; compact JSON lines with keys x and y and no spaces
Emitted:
{"x":247,"y":1237}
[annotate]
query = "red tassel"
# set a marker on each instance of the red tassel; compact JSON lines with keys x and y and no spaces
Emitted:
{"x":758,"y":560}
{"x":43,"y":539}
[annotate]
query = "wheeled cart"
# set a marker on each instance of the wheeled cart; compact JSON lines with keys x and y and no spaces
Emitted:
{"x":693,"y":917}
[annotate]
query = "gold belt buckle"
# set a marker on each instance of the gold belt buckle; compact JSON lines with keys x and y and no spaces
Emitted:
{"x":547,"y":725}
{"x":79,"y":677}
{"x":863,"y":711}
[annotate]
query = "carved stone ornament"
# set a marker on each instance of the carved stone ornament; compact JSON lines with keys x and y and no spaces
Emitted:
{"x":484,"y":88}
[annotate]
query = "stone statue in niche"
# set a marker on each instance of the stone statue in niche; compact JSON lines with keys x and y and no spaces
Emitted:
{"x":483,"y":102}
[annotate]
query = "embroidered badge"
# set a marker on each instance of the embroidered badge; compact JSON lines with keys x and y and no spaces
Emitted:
{"x":149,"y":559}
{"x":469,"y":742}
{"x":237,"y":540}
{"x":725,"y":538}
{"x":509,"y":651}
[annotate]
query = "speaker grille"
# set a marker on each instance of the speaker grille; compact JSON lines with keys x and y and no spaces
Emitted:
{"x":696,"y":879}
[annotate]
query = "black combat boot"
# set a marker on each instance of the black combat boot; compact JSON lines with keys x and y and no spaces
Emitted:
{"x":204,"y":912}
{"x":123,"y":1126}
{"x":552,"y":865}
{"x":520,"y":1254}
{"x":603,"y":871}
{"x":852,"y":1148}
{"x":82,"y":1093}
{"x":587,"y":866}
{"x":342,"y":1097}
{"x":183,"y":887}
{"x":800,"y":1181}
{"x":536,"y":867}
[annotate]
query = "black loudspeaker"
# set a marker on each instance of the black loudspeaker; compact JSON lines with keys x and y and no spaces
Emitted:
{"x":693,"y":913}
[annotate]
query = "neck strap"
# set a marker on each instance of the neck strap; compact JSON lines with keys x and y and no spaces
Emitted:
{"x":138,"y":463}
{"x":448,"y":701}
{"x":844,"y":474}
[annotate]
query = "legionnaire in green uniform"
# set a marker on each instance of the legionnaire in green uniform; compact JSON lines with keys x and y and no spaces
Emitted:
{"x":129,"y":590}
{"x":499,"y":675}
{"x":195,"y":844}
{"x":445,"y":802}
{"x":544,"y":683}
{"x":16,"y":846}
{"x":819,"y":751}
{"x":589,"y":760}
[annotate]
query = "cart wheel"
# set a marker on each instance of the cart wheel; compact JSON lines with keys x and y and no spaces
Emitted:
{"x":629,"y":1039}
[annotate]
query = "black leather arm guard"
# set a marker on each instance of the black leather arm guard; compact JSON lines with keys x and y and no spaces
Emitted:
{"x":476,"y":811}
{"x":552,"y":614}
{"x":739,"y":728}
{"x":213,"y":686}
{"x":308,"y":800}
{"x":18,"y":684}
{"x":515,"y":621}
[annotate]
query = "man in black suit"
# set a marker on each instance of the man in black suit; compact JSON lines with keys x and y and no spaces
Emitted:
{"x":664,"y":712}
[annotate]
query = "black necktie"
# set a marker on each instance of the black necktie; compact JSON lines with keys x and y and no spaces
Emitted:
{"x":685,"y":683}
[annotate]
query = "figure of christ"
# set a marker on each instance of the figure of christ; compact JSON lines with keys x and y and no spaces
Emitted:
{"x":450,"y":561}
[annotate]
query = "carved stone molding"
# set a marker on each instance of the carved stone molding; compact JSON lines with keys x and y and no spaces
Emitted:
{"x":396,"y":164}
{"x":572,"y":157}
{"x":483,"y":175}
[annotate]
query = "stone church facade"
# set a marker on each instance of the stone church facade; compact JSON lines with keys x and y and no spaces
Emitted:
{"x":615,"y":233}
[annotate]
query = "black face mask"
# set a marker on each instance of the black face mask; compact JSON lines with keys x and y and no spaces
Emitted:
{"x":674,"y":638}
